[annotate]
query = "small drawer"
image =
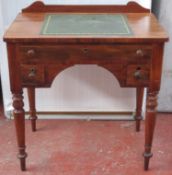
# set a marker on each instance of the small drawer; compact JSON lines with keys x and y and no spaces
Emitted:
{"x":141,"y":52}
{"x":32,"y":74}
{"x":138,"y":75}
{"x":139,"y":55}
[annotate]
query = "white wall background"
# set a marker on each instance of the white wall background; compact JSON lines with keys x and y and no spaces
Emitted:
{"x":162,"y":9}
{"x":80,"y":88}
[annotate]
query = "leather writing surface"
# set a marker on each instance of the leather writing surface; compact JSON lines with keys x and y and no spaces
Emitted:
{"x":86,"y":24}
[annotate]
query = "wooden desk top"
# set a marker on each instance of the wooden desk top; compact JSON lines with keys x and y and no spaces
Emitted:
{"x":28,"y":24}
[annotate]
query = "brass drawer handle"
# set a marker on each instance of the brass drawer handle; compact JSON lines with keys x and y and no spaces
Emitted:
{"x":140,"y":52}
{"x":31,"y":53}
{"x":32,"y":73}
{"x":137,"y":74}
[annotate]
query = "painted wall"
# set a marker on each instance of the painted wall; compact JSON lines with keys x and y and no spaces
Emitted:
{"x":162,"y":9}
{"x":3,"y":63}
{"x":79,"y":88}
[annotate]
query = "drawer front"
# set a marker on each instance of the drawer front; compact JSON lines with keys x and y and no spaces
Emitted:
{"x":122,"y":60}
{"x":32,"y":75}
{"x":138,"y":75}
{"x":80,"y":54}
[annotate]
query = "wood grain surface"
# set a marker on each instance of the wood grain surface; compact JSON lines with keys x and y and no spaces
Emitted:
{"x":35,"y":60}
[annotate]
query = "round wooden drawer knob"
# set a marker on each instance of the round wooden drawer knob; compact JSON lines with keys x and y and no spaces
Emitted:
{"x":31,"y":53}
{"x":139,"y":52}
{"x":138,"y":75}
{"x":85,"y":50}
{"x":32,"y":73}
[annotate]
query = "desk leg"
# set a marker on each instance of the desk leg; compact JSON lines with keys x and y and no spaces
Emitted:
{"x":151,"y":105}
{"x":32,"y":110}
{"x":139,"y":102}
{"x":20,"y":127}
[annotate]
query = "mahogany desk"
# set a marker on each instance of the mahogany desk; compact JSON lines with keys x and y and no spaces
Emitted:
{"x":35,"y":59}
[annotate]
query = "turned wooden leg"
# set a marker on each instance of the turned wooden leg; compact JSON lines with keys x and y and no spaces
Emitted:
{"x":32,"y":110}
{"x":20,"y":127}
{"x":151,"y":105}
{"x":139,"y":102}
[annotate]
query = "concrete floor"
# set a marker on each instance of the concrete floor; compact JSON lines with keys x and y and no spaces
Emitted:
{"x":71,"y":147}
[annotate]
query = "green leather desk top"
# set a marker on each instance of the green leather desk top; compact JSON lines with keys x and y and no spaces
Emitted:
{"x":86,"y":24}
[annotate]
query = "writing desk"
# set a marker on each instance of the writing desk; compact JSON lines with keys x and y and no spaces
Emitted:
{"x":36,"y":55}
